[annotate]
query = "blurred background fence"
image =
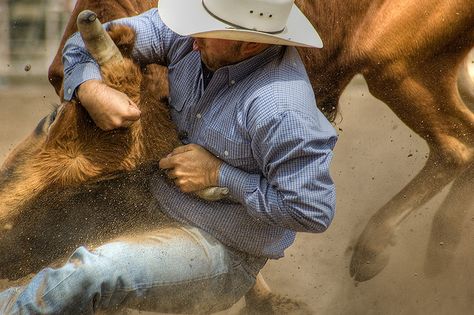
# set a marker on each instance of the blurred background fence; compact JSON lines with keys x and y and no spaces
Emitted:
{"x":30,"y":31}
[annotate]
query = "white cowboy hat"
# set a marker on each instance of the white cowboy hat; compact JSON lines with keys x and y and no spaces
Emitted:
{"x":277,"y":22}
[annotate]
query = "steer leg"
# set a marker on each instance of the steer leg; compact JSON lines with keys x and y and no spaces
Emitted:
{"x":430,"y":105}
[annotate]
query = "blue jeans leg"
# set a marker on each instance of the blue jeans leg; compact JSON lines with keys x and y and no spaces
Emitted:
{"x":177,"y":269}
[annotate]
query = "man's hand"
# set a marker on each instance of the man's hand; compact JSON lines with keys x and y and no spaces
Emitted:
{"x":192,"y":168}
{"x":109,"y":108}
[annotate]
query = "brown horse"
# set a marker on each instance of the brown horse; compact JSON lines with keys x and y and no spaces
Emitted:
{"x":412,"y":53}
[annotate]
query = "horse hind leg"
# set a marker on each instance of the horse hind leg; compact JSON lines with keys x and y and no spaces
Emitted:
{"x":432,"y":108}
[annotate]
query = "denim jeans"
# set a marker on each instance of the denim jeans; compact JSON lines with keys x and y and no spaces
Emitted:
{"x":178,"y":269}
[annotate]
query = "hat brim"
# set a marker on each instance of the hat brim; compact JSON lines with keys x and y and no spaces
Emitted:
{"x":190,"y":18}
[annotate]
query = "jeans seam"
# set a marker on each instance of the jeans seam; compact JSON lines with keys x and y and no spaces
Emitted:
{"x":59,"y":283}
{"x":164,"y":283}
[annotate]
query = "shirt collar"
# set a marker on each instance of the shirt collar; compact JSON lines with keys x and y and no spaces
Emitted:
{"x":242,"y":69}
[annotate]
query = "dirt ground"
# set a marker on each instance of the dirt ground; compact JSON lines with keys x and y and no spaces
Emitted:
{"x":375,"y":157}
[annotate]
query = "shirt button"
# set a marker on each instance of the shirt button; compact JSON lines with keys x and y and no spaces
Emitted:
{"x":69,"y":91}
{"x":232,"y":82}
{"x":226,"y":153}
{"x":198,"y":116}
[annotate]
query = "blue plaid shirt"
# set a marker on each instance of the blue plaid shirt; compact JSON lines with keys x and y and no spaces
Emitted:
{"x":258,"y":116}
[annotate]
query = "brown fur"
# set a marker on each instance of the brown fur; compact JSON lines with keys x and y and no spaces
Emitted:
{"x":55,"y":171}
{"x":72,"y":150}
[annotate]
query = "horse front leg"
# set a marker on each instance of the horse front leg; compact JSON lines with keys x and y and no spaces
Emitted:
{"x":430,"y":105}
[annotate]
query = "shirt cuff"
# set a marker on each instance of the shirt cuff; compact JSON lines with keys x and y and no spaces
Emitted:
{"x":82,"y":72}
{"x":239,"y":182}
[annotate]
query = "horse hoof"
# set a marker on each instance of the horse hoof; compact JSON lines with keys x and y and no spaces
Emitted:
{"x":366,"y":265}
{"x":371,"y":253}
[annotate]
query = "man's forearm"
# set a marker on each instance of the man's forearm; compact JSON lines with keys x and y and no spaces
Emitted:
{"x":88,"y":91}
{"x":109,"y":108}
{"x":301,"y":210}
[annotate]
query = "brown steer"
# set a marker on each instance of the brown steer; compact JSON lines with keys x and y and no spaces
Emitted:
{"x":411,"y":53}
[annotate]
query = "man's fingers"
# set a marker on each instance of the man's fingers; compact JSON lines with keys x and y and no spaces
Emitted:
{"x":181,"y":149}
{"x":165,"y":163}
{"x":133,"y":113}
{"x":171,"y":174}
{"x":184,"y":185}
{"x":127,"y":123}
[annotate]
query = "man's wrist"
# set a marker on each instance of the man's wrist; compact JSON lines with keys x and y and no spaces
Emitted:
{"x":87,"y":88}
{"x":81,"y":73}
{"x":238,"y":181}
{"x":216,"y":173}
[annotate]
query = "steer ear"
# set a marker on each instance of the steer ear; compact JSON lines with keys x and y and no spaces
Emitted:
{"x":65,"y":128}
{"x":123,"y":36}
{"x":98,"y":42}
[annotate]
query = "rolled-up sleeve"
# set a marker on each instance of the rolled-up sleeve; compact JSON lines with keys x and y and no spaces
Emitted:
{"x":152,"y":43}
{"x":79,"y":66}
{"x":295,"y":189}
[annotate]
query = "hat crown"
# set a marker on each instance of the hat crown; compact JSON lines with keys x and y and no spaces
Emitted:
{"x":260,"y":15}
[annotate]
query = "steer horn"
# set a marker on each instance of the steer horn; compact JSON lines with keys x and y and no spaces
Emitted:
{"x":97,"y":40}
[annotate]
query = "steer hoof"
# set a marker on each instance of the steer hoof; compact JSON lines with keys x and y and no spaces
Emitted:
{"x":371,"y":253}
{"x":275,"y":304}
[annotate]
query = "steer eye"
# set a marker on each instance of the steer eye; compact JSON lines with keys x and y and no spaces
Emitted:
{"x":40,"y":126}
{"x":49,"y":120}
{"x":53,"y":115}
{"x":45,"y":123}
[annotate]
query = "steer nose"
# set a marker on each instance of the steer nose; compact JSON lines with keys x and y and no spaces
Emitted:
{"x":183,"y":137}
{"x":86,"y":17}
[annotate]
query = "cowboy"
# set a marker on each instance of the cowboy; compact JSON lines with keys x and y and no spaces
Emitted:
{"x":241,"y":98}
